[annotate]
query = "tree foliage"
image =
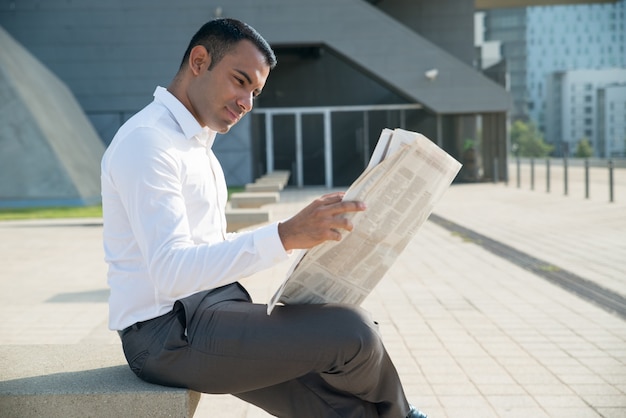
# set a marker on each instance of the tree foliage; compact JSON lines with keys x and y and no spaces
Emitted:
{"x":527,"y":141}
{"x":584,"y":149}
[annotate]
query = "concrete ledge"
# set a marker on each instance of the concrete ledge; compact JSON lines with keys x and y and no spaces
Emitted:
{"x":253,"y":200}
{"x":273,"y":181}
{"x":268,"y":186}
{"x":269,"y":180}
{"x":237,"y":219}
{"x":280,"y":175}
{"x":76,"y":381}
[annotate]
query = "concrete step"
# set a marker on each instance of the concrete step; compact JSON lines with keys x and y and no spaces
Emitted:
{"x":76,"y":381}
{"x":239,"y":218}
{"x":253,"y":200}
{"x":266,"y":186}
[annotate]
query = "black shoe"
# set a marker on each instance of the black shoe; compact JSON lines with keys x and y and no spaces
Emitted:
{"x":415,"y":413}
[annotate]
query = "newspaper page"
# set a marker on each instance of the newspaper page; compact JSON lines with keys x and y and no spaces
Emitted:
{"x":406,"y":176}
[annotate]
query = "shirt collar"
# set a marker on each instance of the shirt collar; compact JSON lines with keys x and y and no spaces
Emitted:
{"x":189,"y":125}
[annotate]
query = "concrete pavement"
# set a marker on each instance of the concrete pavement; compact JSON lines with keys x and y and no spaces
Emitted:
{"x":472,"y":333}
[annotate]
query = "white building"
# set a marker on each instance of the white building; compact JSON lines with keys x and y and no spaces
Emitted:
{"x":587,"y":104}
{"x":565,"y":38}
{"x":612,"y":121}
{"x":488,"y":52}
{"x":541,"y":45}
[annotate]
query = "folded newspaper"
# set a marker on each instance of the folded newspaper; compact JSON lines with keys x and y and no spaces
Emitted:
{"x":406,"y":175}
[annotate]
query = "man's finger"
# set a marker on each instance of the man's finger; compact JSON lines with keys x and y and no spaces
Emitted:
{"x":331,"y":198}
{"x":336,"y":234}
{"x":349,"y":206}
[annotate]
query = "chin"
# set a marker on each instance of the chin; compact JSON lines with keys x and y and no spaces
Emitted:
{"x":223,"y":129}
{"x":220,"y":127}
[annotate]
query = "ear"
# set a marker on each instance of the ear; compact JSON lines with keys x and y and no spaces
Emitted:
{"x":199,"y":59}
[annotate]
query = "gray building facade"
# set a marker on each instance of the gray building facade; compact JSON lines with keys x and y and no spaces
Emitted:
{"x":509,"y":27}
{"x":332,"y":53}
{"x":543,"y":42}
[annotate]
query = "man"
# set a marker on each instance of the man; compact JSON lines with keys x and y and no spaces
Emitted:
{"x":183,"y":318}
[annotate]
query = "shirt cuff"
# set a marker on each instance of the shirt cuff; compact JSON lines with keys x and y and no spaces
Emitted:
{"x":268,"y":243}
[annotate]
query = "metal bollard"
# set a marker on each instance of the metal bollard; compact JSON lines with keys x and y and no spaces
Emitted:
{"x":532,"y":174}
{"x":586,"y":178}
{"x":495,"y":170}
{"x":518,"y":173}
{"x":547,"y":175}
{"x":611,"y":196}
{"x":565,"y":175}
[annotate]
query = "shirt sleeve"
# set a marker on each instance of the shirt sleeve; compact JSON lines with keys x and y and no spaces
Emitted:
{"x":146,"y":177}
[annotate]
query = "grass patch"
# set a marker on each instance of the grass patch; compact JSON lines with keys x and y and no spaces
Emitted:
{"x":549,"y":268}
{"x":464,"y":237}
{"x":237,"y":189}
{"x":51,"y":213}
{"x":11,"y":214}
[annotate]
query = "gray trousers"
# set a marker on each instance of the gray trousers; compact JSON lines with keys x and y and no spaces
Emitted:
{"x":303,"y":361}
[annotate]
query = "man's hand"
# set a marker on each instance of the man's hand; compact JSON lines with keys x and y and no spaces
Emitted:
{"x":318,"y":222}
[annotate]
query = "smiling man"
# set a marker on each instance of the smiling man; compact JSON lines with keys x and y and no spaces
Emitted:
{"x":183,"y":318}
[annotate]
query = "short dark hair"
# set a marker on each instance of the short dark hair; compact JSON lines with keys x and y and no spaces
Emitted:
{"x":219,"y":36}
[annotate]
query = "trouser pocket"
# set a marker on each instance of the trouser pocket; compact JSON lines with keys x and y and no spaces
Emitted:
{"x":136,"y":363}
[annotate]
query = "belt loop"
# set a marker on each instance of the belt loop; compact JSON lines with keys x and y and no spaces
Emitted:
{"x":134,"y":327}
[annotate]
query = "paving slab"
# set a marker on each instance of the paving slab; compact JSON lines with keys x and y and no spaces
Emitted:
{"x":472,"y":333}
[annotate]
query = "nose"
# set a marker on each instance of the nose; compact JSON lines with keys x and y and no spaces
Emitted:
{"x":245,"y":102}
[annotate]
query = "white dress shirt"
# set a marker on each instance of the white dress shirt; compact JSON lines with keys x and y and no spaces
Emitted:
{"x":163,"y":199}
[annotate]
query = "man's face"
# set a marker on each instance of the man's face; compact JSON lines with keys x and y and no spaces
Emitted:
{"x":220,"y":97}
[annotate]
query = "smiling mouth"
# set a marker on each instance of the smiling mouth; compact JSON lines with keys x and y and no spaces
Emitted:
{"x":233,"y":116}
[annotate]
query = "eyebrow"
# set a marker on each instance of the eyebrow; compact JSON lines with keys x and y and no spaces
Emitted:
{"x":244,"y":75}
{"x":248,"y":79}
